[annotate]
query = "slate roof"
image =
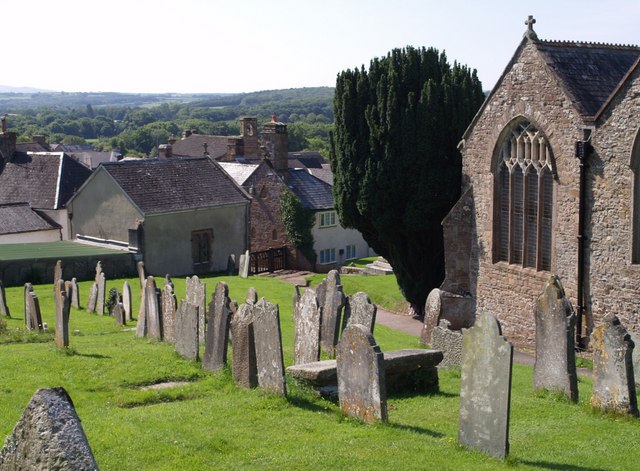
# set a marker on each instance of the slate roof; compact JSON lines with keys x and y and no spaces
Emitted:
{"x":165,"y":185}
{"x":193,"y":146}
{"x":312,"y":192}
{"x":45,"y":179}
{"x":590,"y":72}
{"x":16,"y":218}
{"x":239,"y":172}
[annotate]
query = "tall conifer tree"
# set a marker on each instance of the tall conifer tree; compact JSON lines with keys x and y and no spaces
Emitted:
{"x":395,"y":160}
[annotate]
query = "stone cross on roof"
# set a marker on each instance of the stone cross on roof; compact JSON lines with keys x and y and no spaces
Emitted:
{"x":530,"y":33}
{"x":205,"y":145}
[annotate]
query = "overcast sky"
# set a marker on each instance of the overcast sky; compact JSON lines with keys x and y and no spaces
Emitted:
{"x":209,"y":46}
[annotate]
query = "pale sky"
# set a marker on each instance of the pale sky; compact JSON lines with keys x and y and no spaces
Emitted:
{"x":210,"y":46}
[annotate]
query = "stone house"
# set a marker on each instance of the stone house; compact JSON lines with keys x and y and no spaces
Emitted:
{"x":21,"y":224}
{"x":183,"y":216}
{"x":551,"y":185}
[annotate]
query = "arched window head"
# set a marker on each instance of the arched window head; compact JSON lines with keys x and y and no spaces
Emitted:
{"x":524,"y":198}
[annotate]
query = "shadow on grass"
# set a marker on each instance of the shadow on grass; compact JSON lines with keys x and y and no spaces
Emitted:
{"x":411,"y":428}
{"x":404,"y":394}
{"x":563,"y":467}
{"x":306,"y":404}
{"x":92,"y":355}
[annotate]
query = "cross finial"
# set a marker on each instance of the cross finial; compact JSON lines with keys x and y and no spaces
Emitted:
{"x":530,"y":33}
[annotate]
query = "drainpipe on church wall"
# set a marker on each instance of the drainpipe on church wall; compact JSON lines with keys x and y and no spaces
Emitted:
{"x":583,"y":148}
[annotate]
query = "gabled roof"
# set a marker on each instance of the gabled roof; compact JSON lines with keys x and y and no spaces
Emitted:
{"x":193,"y":146}
{"x":590,"y":72}
{"x":239,"y":172}
{"x":44,"y":179}
{"x":165,"y":185}
{"x":16,"y":218}
{"x":312,"y":192}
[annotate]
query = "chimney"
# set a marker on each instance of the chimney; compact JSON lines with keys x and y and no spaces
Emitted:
{"x":165,"y":151}
{"x":7,"y":144}
{"x":249,"y":133}
{"x":186,"y":133}
{"x":172,"y":139}
{"x":39,"y":139}
{"x":274,"y":133}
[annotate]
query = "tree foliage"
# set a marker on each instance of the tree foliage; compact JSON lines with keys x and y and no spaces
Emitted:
{"x":394,"y":156}
{"x":298,"y":223}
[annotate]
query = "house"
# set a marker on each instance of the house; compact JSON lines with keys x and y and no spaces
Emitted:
{"x":551,"y":185}
{"x":45,"y":180}
{"x":183,"y":215}
{"x":20,"y":224}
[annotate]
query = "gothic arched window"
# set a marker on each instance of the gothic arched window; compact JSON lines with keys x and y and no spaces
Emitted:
{"x":524,"y":199}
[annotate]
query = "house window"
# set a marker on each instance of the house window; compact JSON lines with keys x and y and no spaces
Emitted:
{"x":351,"y":252}
{"x":524,"y":199}
{"x":327,"y":219}
{"x":327,"y":256}
{"x":201,"y":244}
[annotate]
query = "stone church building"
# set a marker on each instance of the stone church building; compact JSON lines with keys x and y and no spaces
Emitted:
{"x":551,"y":185}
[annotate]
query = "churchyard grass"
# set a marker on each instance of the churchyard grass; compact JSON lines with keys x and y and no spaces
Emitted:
{"x":208,"y":423}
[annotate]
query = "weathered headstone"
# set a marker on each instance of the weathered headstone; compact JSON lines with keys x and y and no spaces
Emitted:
{"x":614,"y":387}
{"x":331,"y":300}
{"x":231,"y":265}
{"x":57,"y":273}
{"x":635,"y":357}
{"x":4,"y":308}
{"x":118,"y":314}
{"x":92,"y":300}
{"x":101,"y":282}
{"x":63,"y":306}
{"x":244,"y":265}
{"x":126,"y":301}
{"x":252,"y":296}
{"x":432,"y":309}
{"x":49,"y":435}
{"x":221,"y":309}
{"x":449,"y":342}
{"x":555,"y":366}
{"x":187,"y":342}
{"x":32,"y":315}
{"x":485,"y":390}
{"x":361,"y":375}
{"x":141,"y":274}
{"x":197,"y":295}
{"x":243,"y":365}
{"x":152,"y":310}
{"x":75,"y":293}
{"x":268,"y":342}
{"x":169,"y":307}
{"x":306,"y":320}
{"x":360,"y":310}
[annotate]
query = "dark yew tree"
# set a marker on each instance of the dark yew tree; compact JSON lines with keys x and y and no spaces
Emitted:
{"x":395,"y":160}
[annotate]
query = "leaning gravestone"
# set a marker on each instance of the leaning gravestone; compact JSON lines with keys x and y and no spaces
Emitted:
{"x":197,"y":295}
{"x":251,"y":297}
{"x":187,"y":342}
{"x":614,"y":386}
{"x":4,"y":308}
{"x":101,"y":281}
{"x":48,"y":436}
{"x":93,"y":298}
{"x":306,"y":320}
{"x":361,"y":377}
{"x":119,"y":315}
{"x":555,"y":366}
{"x":75,"y":293}
{"x":221,"y":309}
{"x":63,"y":306}
{"x":360,"y":310}
{"x":141,"y":275}
{"x":432,"y":309}
{"x":485,"y":389}
{"x":268,"y":343}
{"x":126,"y":301}
{"x":635,"y":357}
{"x":245,"y":261}
{"x":32,"y":315}
{"x":243,"y":364}
{"x":152,"y":310}
{"x":449,"y":342}
{"x":331,"y":300}
{"x":169,"y":306}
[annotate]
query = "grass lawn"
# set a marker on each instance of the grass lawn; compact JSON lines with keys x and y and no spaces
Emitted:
{"x":211,"y":424}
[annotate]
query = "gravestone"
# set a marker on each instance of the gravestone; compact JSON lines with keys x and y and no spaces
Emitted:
{"x":92,"y":300}
{"x":141,"y":274}
{"x":432,"y":309}
{"x":360,"y":310}
{"x":331,"y":300}
{"x":231,"y":265}
{"x":75,"y":293}
{"x":244,"y":265}
{"x":197,"y":295}
{"x":268,"y":344}
{"x":187,"y":342}
{"x":555,"y":366}
{"x":49,"y":435}
{"x":152,"y":309}
{"x":449,"y":342}
{"x":119,"y":315}
{"x":101,"y":282}
{"x":169,"y":306}
{"x":614,"y":386}
{"x":361,"y":375}
{"x":32,"y":315}
{"x":251,"y":297}
{"x":635,"y":357}
{"x":63,"y":306}
{"x":221,"y":309}
{"x":141,"y":327}
{"x":485,"y":389}
{"x":4,"y":308}
{"x":306,"y":320}
{"x":243,"y":363}
{"x":126,"y":301}
{"x":57,"y":274}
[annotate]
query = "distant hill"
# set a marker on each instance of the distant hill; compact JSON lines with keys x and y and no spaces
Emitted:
{"x":10,"y":89}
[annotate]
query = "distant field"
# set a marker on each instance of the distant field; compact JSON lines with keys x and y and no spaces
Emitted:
{"x":58,"y":249}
